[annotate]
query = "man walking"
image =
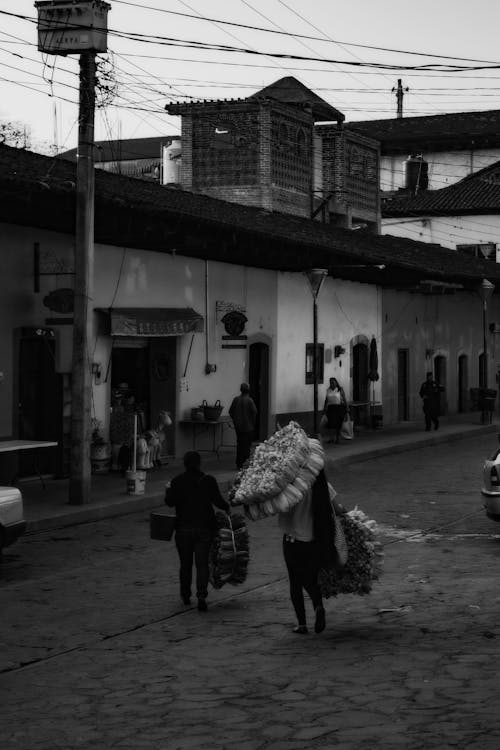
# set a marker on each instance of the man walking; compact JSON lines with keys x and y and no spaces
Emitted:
{"x":429,"y":393}
{"x":193,"y":494}
{"x":243,"y":412}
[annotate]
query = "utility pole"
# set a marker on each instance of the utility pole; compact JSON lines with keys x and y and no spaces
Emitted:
{"x":81,"y":393}
{"x":400,"y":92}
{"x":80,"y":27}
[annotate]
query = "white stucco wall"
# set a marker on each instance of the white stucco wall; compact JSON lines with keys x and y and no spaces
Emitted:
{"x":445,"y":167}
{"x":448,"y":231}
{"x":345,"y":310}
{"x":131,"y":278}
{"x":431,"y":326}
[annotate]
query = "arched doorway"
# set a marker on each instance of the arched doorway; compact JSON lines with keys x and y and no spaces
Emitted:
{"x":463,"y":383}
{"x":440,"y":376}
{"x":258,"y":380}
{"x":360,"y":372}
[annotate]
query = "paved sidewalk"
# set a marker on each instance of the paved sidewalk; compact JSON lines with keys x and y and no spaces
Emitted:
{"x":49,"y":508}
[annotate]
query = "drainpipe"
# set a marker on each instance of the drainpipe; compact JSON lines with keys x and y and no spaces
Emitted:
{"x":208,"y":367}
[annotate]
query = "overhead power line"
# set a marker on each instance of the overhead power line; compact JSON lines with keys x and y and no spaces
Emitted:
{"x":212,"y":47}
{"x":294,"y":35}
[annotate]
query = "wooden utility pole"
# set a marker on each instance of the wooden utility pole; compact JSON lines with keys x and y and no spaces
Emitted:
{"x":400,"y":92}
{"x":67,"y":27}
{"x":81,"y":395}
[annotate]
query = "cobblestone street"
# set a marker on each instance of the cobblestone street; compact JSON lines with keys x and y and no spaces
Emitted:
{"x":112,"y":660}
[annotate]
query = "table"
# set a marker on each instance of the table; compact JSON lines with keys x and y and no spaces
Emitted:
{"x":363,"y":412}
{"x":7,"y":446}
{"x":207,"y":426}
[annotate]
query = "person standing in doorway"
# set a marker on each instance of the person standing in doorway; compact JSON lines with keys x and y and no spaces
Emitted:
{"x":243,"y":412}
{"x":193,"y":494}
{"x":429,"y":393}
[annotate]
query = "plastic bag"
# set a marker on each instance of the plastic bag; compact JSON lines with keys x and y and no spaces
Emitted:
{"x":347,"y":429}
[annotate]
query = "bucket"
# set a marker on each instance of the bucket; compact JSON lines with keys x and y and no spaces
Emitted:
{"x":136,"y":482}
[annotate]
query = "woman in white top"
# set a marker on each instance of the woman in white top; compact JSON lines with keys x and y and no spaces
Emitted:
{"x":308,"y":546}
{"x":335,"y":407}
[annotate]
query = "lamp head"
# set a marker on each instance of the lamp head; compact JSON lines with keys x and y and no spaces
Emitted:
{"x":316,"y":276}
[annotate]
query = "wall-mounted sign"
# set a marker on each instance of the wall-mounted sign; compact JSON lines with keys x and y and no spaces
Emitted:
{"x":222,"y":308}
{"x":56,"y":262}
{"x":60,"y":300}
{"x":234,"y":323}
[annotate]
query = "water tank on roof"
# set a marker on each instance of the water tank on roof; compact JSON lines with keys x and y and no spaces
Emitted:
{"x":416,"y":173}
{"x":172,"y":163}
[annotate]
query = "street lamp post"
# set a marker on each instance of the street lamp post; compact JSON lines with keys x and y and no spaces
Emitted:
{"x":485,"y":292}
{"x":316,"y":277}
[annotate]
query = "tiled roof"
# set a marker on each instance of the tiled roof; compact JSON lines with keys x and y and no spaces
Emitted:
{"x":478,"y":193}
{"x":39,"y":191}
{"x":126,"y":149}
{"x":454,"y":131}
{"x":286,"y":90}
{"x":291,"y":91}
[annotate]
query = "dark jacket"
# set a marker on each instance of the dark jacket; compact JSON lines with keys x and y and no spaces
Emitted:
{"x":193,"y":494}
{"x":429,"y":393}
{"x":243,"y":412}
{"x":323,"y":527}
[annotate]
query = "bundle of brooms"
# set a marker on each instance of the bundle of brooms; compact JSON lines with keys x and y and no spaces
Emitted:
{"x":230,"y":550}
{"x":364,"y":558}
{"x":279,"y":474}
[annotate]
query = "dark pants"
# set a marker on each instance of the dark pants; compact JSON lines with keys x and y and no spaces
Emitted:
{"x":431,"y":417}
{"x":243,"y":447}
{"x":302,"y":563}
{"x":193,"y":543}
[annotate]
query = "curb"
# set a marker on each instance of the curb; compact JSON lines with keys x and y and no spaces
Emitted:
{"x":423,"y":442}
{"x":147,"y":502}
{"x":98,"y":512}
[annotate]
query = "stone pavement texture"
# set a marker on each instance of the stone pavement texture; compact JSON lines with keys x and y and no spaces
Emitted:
{"x":414,"y":665}
{"x":48,"y":508}
{"x":103,"y":655}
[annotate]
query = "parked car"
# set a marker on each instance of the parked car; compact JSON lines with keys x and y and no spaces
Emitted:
{"x":12,"y":523}
{"x":491,"y":486}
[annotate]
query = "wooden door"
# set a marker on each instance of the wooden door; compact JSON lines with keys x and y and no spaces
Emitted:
{"x":463,"y":383}
{"x":403,"y":386}
{"x":39,"y":414}
{"x":258,"y":380}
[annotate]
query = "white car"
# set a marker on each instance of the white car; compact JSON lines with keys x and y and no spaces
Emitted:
{"x":12,"y":523}
{"x":491,"y":486}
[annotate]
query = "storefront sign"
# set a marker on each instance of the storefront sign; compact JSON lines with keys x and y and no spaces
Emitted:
{"x":151,"y":322}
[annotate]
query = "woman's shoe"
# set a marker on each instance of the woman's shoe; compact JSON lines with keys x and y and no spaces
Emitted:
{"x":301,"y":629}
{"x":320,"y":622}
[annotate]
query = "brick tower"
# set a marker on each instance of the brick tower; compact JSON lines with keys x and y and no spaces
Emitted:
{"x":256,"y":151}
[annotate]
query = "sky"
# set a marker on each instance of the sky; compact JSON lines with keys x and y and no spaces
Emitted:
{"x":40,"y":91}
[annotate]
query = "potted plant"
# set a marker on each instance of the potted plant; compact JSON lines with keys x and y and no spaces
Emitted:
{"x":100,"y":450}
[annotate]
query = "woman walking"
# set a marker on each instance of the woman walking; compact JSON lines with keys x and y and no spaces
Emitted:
{"x":335,"y":408}
{"x":308,"y":546}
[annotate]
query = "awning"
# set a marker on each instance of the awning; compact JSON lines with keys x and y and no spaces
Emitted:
{"x":154,"y":321}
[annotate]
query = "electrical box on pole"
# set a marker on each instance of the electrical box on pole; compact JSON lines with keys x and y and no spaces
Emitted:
{"x":64,"y":28}
{"x":67,"y":27}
